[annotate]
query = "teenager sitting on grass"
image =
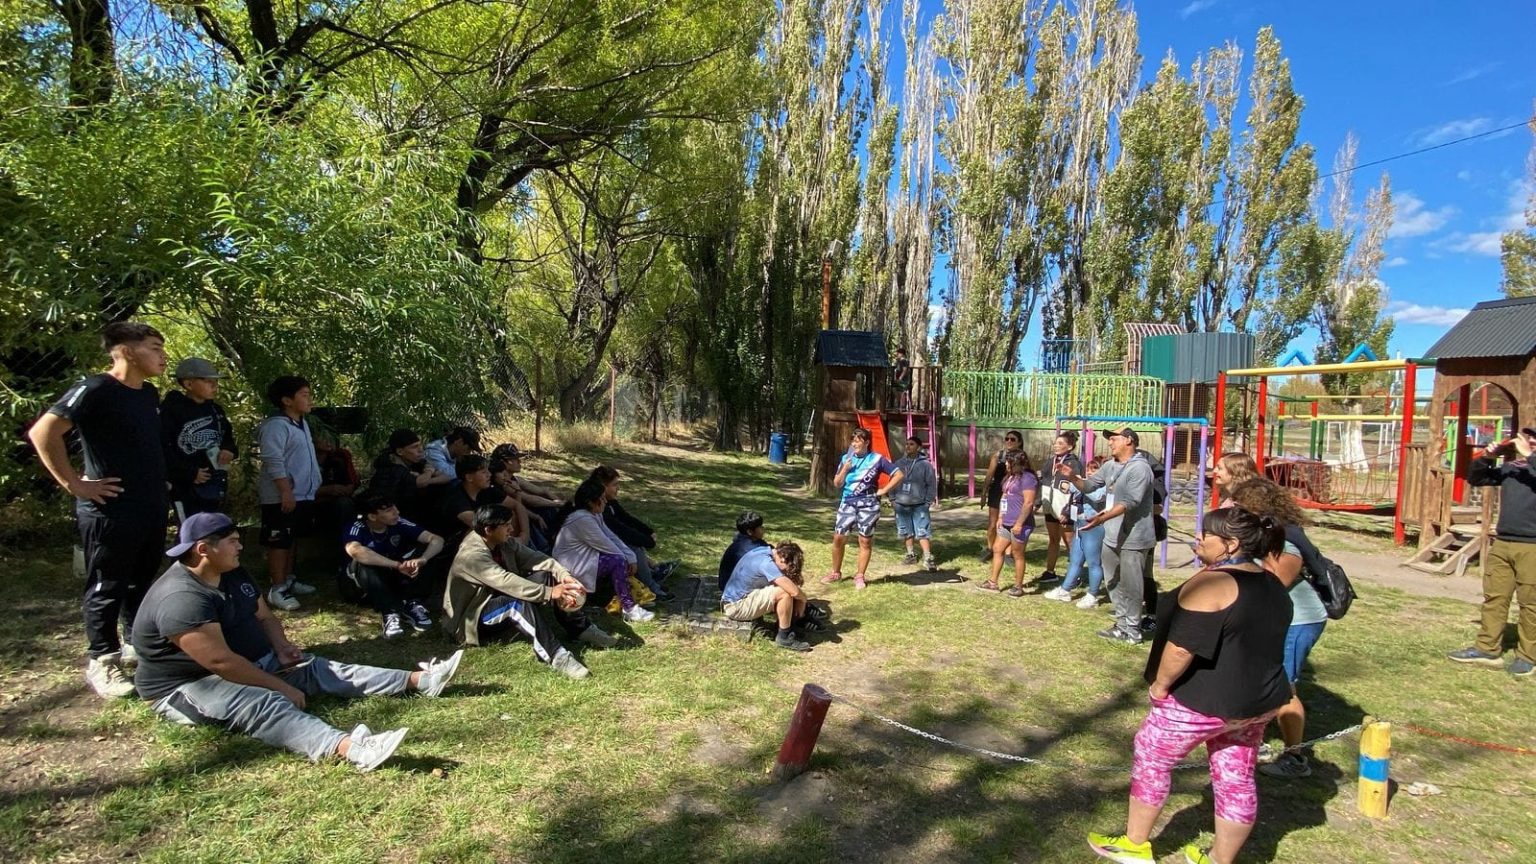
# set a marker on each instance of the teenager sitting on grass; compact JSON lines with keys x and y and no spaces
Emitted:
{"x":385,"y":565}
{"x":598,"y":559}
{"x":541,"y":502}
{"x":499,"y":588}
{"x":749,"y":536}
{"x":637,"y":535}
{"x":444,"y":453}
{"x":401,"y":472}
{"x":858,"y":475}
{"x":1016,"y":520}
{"x":212,"y":653}
{"x":769,"y":580}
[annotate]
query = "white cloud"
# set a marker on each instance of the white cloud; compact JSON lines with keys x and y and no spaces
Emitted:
{"x":1413,"y":313}
{"x":1195,"y":7}
{"x":1489,"y":242}
{"x":1396,"y":261}
{"x":1472,"y":74}
{"x":1476,"y":243}
{"x":1464,"y":175}
{"x":1413,"y":219}
{"x":1452,"y":130}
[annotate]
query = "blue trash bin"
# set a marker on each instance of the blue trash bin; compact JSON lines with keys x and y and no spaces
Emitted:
{"x":778,"y":448}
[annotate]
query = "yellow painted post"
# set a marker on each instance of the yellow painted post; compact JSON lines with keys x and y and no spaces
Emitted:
{"x":1375,"y":762}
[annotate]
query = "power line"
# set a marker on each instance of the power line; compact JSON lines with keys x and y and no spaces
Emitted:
{"x":1398,"y":156}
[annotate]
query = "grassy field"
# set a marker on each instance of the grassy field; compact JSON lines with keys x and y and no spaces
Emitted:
{"x":660,"y":756}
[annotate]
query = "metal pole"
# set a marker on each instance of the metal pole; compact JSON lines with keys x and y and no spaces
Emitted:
{"x":1258,"y":445}
{"x":1200,"y":486}
{"x":1399,"y":532}
{"x":1167,"y":478}
{"x":970,"y":468}
{"x":1221,"y":418}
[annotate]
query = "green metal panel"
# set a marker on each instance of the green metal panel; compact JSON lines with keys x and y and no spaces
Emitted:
{"x":1157,"y":356}
{"x":1041,"y":396}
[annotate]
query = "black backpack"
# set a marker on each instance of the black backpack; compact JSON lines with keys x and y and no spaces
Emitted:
{"x":1327,"y":577}
{"x":1333,"y":588}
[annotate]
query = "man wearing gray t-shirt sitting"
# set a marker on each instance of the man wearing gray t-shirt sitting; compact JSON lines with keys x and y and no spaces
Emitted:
{"x":1129,"y":532}
{"x":211,"y":652}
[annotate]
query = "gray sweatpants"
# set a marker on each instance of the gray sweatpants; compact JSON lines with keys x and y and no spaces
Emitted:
{"x":1124,"y":569}
{"x":268,"y":715}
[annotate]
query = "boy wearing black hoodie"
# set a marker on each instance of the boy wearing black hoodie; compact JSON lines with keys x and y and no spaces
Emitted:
{"x":198,"y":440}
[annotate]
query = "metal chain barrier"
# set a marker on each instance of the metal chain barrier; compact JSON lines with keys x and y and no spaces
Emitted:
{"x":1028,"y":760}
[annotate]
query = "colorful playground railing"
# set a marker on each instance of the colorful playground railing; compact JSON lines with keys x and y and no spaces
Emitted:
{"x":1043,"y":396}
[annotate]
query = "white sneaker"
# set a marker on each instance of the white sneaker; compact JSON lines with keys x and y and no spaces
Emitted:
{"x":1089,"y":601}
{"x":597,"y":637}
{"x":435,"y":674}
{"x":567,"y":664}
{"x":638,"y":613}
{"x":105,"y":675}
{"x":279,"y":598}
{"x":1058,"y":593}
{"x":369,"y":749}
{"x":297,"y":587}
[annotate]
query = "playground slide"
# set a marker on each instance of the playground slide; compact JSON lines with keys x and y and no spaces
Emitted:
{"x":870,"y":420}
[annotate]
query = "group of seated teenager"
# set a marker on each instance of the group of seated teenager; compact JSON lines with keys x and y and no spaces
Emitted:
{"x":497,"y":555}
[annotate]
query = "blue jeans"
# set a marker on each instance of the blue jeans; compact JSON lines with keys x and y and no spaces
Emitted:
{"x":1299,"y":639}
{"x":912,"y":521}
{"x":1087,"y":548}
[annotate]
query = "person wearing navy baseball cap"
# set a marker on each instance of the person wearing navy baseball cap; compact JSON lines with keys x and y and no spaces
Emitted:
{"x":211,"y":652}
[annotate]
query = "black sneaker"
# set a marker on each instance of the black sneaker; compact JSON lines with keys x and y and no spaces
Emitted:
{"x":1117,"y":634}
{"x":985,"y":556}
{"x":788,"y":641}
{"x":1148,"y":624}
{"x":1048,"y":577}
{"x":421,"y":619}
{"x":392,"y":628}
{"x":817,"y":613}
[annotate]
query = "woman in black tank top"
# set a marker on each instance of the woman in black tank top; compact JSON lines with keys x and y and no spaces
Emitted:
{"x":1216,"y":677}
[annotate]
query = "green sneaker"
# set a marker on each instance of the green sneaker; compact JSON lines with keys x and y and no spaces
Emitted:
{"x":1195,"y":855}
{"x":1119,"y":848}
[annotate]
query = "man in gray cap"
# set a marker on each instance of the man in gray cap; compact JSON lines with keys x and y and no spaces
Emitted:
{"x":1130,"y":533}
{"x":198,"y":440}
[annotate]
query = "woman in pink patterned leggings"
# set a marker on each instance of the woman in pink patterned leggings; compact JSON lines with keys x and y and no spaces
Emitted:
{"x":1216,"y":676}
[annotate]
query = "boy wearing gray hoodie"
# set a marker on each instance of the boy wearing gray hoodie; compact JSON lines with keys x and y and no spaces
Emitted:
{"x":911,"y":499}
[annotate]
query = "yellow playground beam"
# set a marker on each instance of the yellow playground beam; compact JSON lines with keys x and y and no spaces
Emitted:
{"x":1326,"y":368}
{"x":1373,"y":418}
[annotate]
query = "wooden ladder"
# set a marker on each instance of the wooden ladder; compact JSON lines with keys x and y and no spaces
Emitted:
{"x":1451,"y":552}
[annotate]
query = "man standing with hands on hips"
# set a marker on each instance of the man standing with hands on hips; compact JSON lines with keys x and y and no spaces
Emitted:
{"x":1129,"y":532}
{"x":1510,"y":571}
{"x":120,"y":497}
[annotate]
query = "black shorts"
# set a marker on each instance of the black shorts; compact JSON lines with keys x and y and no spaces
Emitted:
{"x":279,"y":530}
{"x":1051,"y":519}
{"x":995,"y":497}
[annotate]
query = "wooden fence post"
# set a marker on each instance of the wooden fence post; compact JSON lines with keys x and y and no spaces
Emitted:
{"x":804,"y":729}
{"x":1375,"y":767}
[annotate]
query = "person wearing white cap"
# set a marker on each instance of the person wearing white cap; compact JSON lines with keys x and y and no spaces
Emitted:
{"x":198,"y":440}
{"x":211,"y":652}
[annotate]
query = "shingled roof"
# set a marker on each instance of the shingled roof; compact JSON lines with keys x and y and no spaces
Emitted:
{"x":1496,"y":328}
{"x":852,"y":348}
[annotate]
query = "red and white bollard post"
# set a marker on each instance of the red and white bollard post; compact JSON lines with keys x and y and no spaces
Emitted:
{"x":804,"y":729}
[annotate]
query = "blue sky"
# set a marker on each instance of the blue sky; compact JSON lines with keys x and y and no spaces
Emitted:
{"x":1400,"y":76}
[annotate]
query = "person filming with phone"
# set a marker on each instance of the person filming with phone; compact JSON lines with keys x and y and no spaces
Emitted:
{"x":1509,"y":571}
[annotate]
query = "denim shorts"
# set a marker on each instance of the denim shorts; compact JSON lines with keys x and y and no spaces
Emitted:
{"x":1299,"y":640}
{"x":912,"y":521}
